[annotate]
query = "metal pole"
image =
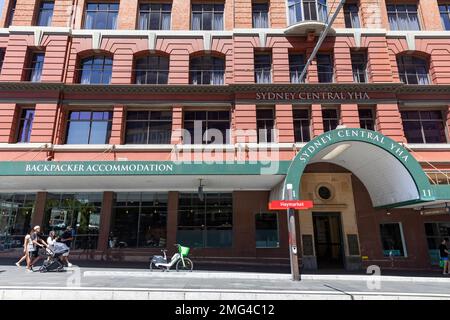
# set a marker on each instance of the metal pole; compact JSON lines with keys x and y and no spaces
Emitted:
{"x":293,"y":252}
{"x":321,"y":39}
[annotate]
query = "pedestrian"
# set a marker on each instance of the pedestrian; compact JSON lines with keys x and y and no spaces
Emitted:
{"x":25,"y":256}
{"x":33,"y":249}
{"x":67,"y":238}
{"x":51,"y":239}
{"x":443,"y":251}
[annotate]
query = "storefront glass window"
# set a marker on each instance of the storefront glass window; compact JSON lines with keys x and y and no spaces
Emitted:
{"x":392,"y":240}
{"x":266,"y":227}
{"x":435,"y":232}
{"x":81,"y":211}
{"x":139,"y":220}
{"x":207,"y":223}
{"x":16,"y":211}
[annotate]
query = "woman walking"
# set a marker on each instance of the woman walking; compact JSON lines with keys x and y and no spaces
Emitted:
{"x":25,"y":250}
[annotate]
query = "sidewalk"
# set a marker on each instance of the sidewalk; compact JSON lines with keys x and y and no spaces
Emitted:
{"x":132,"y":283}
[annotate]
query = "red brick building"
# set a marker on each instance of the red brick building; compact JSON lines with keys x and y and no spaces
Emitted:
{"x":99,"y":101}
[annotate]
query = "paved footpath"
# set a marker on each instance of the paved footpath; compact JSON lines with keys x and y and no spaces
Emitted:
{"x":126,"y":283}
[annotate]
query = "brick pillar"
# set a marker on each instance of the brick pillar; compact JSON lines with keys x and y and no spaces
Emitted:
{"x":280,"y":63}
{"x":284,"y":123}
{"x":245,"y":119}
{"x":105,"y":220}
{"x":277,"y":14}
{"x":389,"y":121}
{"x":62,"y":16}
{"x":179,"y":66}
{"x":312,"y":75}
{"x":179,"y":10}
{"x":349,"y":115}
{"x":244,"y":59}
{"x":127,"y":15}
{"x":8,"y":122}
{"x":15,"y":57}
{"x":243,"y":18}
{"x":430,"y":14}
{"x":24,"y":13}
{"x":44,"y":123}
{"x":371,"y":14}
{"x":342,"y":62}
{"x":378,"y":59}
{"x":55,"y":56}
{"x":172,"y":220}
{"x":316,"y":120}
{"x":340,"y":20}
{"x":177,"y":125}
{"x":39,"y":210}
{"x":118,"y":123}
{"x":122,"y":66}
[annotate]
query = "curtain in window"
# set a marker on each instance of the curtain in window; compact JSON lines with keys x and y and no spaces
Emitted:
{"x":89,"y":23}
{"x":218,"y":21}
{"x":165,"y":24}
{"x":112,"y":21}
{"x":413,"y":22}
{"x":197,"y":21}
{"x":218,"y":77}
{"x":143,"y":21}
{"x":322,"y":7}
{"x":355,"y":19}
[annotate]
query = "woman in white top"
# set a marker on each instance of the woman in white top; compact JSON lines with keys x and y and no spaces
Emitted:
{"x":51,"y":239}
{"x":25,"y":256}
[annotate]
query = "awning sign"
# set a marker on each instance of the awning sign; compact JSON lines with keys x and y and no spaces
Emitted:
{"x":290,"y":204}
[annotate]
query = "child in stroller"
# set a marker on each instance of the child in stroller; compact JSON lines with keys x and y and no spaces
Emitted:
{"x":54,"y":254}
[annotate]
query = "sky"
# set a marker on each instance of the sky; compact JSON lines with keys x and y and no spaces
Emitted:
{"x":1,"y":7}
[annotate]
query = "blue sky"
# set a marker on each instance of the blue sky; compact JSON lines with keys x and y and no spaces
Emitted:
{"x":1,"y":6}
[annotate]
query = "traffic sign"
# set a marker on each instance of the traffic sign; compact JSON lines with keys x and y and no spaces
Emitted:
{"x":290,"y":204}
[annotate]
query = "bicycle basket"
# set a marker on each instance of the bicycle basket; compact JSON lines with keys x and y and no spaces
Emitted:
{"x":184,"y":251}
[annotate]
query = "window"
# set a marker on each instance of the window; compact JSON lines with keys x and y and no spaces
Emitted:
{"x":296,"y":65}
{"x":12,"y":11}
{"x":148,"y":127}
{"x":263,"y":67}
{"x":351,"y":15}
{"x":207,"y":70}
{"x":214,"y":127}
{"x":81,"y":211}
{"x":89,"y":127}
{"x":152,"y":70}
{"x":2,"y":57}
{"x":34,"y":71}
{"x":154,"y":16}
{"x":265,"y":124}
{"x":301,"y":125}
{"x":101,"y":15}
{"x":325,"y":67}
{"x":424,"y":126}
{"x":366,"y":119}
{"x":266,"y":230}
{"x":45,"y":13}
{"x":330,"y":119}
{"x":403,"y":17}
{"x":260,"y":15}
{"x":96,"y":70}
{"x":392,"y":240}
{"x":412,"y":70}
{"x":207,"y":16}
{"x":139,"y":220}
{"x":16,"y":212}
{"x":207,"y":223}
{"x":303,"y":10}
{"x":25,"y":125}
{"x":444,"y":9}
{"x":435,"y":232}
{"x":359,"y":67}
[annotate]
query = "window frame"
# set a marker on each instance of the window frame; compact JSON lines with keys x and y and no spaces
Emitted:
{"x":404,"y":66}
{"x":446,"y":13}
{"x":349,"y":15}
{"x":160,"y":73}
{"x":149,"y":12}
{"x":320,"y":6}
{"x":92,"y":69}
{"x":206,"y":125}
{"x":260,"y":13}
{"x":91,"y":121}
{"x":357,"y":72}
{"x":41,"y":9}
{"x":209,"y":63}
{"x":213,"y":13}
{"x":328,"y":120}
{"x":108,"y":13}
{"x":35,"y":66}
{"x":402,"y":237}
{"x":331,"y":66}
{"x":271,"y":135}
{"x":297,"y":119}
{"x":263,"y":71}
{"x":11,"y":13}
{"x":295,"y":70}
{"x":2,"y":57}
{"x":277,"y":230}
{"x":148,"y":122}
{"x":420,"y":121}
{"x":21,"y":127}
{"x":397,"y":12}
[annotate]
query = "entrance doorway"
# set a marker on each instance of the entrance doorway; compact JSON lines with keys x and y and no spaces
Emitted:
{"x":328,"y":239}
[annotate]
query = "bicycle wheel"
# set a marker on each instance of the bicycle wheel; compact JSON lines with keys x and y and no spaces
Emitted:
{"x":188,"y":265}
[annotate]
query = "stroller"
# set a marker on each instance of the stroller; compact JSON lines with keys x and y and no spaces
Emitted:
{"x":53,"y":261}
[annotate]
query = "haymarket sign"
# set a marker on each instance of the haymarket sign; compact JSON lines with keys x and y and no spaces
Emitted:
{"x":306,"y":96}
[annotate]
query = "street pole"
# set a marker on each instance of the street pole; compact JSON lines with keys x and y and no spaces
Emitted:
{"x":293,"y":251}
{"x":322,"y":37}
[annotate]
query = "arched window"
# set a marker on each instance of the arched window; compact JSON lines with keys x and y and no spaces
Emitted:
{"x":207,"y":70}
{"x":152,"y":69}
{"x":96,"y":70}
{"x":413,"y":70}
{"x":307,"y":10}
